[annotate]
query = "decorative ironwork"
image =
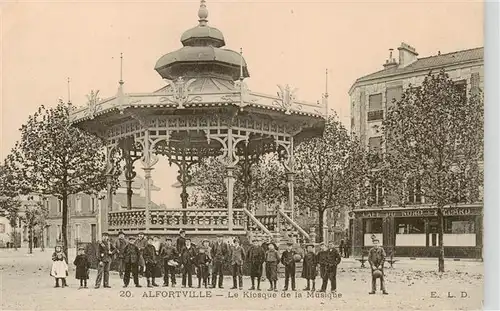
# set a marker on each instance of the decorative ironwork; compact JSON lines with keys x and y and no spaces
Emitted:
{"x":181,"y":94}
{"x":286,"y":98}
{"x":93,"y":106}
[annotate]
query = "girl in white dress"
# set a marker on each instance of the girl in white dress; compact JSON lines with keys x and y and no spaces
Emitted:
{"x":59,"y":266}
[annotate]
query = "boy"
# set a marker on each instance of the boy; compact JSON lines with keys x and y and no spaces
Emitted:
{"x":256,"y":257}
{"x":202,"y":262}
{"x":82,"y":267}
{"x":170,"y":256}
{"x":188,"y":257}
{"x":131,"y":259}
{"x":289,"y":262}
{"x":237,"y":258}
{"x":120,"y":251}
{"x":376,"y":258}
{"x":219,"y":253}
{"x":272,"y":259}
{"x":309,"y":264}
{"x":328,"y":260}
{"x":150,"y":260}
{"x":208,"y":250}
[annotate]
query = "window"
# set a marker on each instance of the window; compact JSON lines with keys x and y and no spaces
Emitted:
{"x":393,"y":94}
{"x":373,"y":225}
{"x":375,"y":111}
{"x":414,"y":191}
{"x":59,"y":232}
{"x":376,"y":194}
{"x":409,"y":225}
{"x":459,"y":225}
{"x":77,"y":232}
{"x":461,"y":86}
{"x":93,"y":204}
{"x":78,"y":207}
{"x":375,"y":144}
{"x":59,"y":206}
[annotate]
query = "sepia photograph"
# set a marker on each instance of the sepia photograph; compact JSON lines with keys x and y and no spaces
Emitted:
{"x":242,"y":155}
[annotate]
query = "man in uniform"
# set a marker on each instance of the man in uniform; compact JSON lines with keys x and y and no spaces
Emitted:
{"x":329,"y":260}
{"x":376,"y":258}
{"x":131,"y":261}
{"x":289,"y":262}
{"x":256,"y":257}
{"x":104,"y":255}
{"x":219,"y":254}
{"x":141,"y":243}
{"x":120,"y":251}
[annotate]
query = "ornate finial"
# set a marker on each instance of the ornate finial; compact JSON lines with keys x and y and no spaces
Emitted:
{"x":69,"y":92}
{"x":203,"y":13}
{"x":325,"y":96}
{"x":121,"y":69}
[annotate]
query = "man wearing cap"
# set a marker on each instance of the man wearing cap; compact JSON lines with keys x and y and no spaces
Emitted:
{"x":170,"y":258}
{"x":237,"y":258}
{"x":289,"y":262}
{"x":120,"y":247}
{"x":151,"y":261}
{"x":219,"y":255}
{"x":131,"y":256}
{"x":376,"y":258}
{"x":328,"y":260}
{"x":104,"y":255}
{"x":141,"y":243}
{"x":309,"y":265}
{"x":256,"y":257}
{"x":188,"y":256}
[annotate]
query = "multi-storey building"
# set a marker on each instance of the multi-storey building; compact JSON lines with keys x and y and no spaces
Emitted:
{"x":412,"y":231}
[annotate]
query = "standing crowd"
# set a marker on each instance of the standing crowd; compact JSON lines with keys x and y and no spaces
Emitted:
{"x":152,"y":259}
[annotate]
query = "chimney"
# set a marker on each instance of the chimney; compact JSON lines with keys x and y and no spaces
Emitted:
{"x":391,"y":62}
{"x":407,"y":55}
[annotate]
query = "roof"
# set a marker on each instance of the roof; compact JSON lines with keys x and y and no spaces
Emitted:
{"x":138,"y":202}
{"x":205,"y":84}
{"x":137,"y":183}
{"x":426,"y":63}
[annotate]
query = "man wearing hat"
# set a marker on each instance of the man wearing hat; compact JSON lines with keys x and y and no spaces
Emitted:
{"x":170,"y":258}
{"x":141,"y":243}
{"x":256,"y":257}
{"x":376,"y":258}
{"x":181,"y":241}
{"x":131,"y":255}
{"x":120,"y":248}
{"x":151,"y":260}
{"x":104,"y":255}
{"x":288,"y":260}
{"x":309,"y":265}
{"x":329,"y":261}
{"x":219,"y":254}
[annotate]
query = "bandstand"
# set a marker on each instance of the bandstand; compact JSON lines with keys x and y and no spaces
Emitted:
{"x":205,"y":110}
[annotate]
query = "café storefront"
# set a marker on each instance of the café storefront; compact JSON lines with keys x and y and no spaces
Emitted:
{"x":413,"y":231}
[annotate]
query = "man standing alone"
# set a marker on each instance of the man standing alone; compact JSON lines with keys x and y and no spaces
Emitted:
{"x":376,"y":258}
{"x":219,"y":255}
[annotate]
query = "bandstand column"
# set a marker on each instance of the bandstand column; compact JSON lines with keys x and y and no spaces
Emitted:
{"x":230,"y":187}
{"x":148,"y":160}
{"x":291,"y":201}
{"x":147,"y":188}
{"x":103,"y":217}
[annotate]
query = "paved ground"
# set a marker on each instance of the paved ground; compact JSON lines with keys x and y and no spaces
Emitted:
{"x":412,"y":285}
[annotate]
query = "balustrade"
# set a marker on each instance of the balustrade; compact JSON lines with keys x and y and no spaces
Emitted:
{"x":269,"y":221}
{"x":175,"y":219}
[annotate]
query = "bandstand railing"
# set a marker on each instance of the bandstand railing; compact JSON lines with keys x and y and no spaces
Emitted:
{"x":178,"y":218}
{"x":292,"y":229}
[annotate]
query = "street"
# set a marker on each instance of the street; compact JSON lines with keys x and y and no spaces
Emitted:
{"x":412,"y":284}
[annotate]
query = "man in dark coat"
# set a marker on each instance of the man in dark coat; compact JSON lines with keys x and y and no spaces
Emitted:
{"x":105,"y":254}
{"x":120,"y":244}
{"x":181,"y":241}
{"x":150,"y":260}
{"x":220,"y":252}
{"x":256,"y":257}
{"x":289,"y":262}
{"x":141,"y":243}
{"x":309,"y":267}
{"x":170,"y":258}
{"x":376,"y":258}
{"x":329,"y":260}
{"x":237,"y":259}
{"x":188,"y":260}
{"x":347,"y":247}
{"x":131,"y":256}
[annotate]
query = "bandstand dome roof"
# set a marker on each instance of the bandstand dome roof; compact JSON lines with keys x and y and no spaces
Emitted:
{"x":201,"y":54}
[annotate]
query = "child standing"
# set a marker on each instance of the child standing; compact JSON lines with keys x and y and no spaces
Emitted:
{"x":237,"y":258}
{"x":272,"y":259}
{"x":288,"y":260}
{"x":59,"y":266}
{"x":309,"y":267}
{"x":202,"y":262}
{"x":82,"y":267}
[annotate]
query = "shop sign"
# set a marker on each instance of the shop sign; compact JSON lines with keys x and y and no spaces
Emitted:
{"x":430,"y":212}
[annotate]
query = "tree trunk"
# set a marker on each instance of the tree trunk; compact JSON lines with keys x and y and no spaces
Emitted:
{"x":30,"y":238}
{"x":42,"y":245}
{"x":440,"y":238}
{"x":64,"y":226}
{"x":15,"y":238}
{"x":320,"y":237}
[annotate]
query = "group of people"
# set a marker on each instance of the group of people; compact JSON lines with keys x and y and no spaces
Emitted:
{"x":153,"y":258}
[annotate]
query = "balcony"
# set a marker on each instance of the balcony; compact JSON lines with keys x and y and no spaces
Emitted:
{"x":375,"y":115}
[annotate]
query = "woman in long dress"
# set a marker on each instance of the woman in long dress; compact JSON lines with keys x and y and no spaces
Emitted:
{"x":59,"y":266}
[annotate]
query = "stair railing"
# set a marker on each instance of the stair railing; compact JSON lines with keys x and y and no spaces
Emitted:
{"x":257,"y":222}
{"x":295,"y":225}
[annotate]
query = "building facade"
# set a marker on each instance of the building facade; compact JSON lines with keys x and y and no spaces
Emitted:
{"x":412,"y":230}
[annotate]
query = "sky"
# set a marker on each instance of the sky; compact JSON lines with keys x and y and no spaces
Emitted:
{"x":42,"y":43}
